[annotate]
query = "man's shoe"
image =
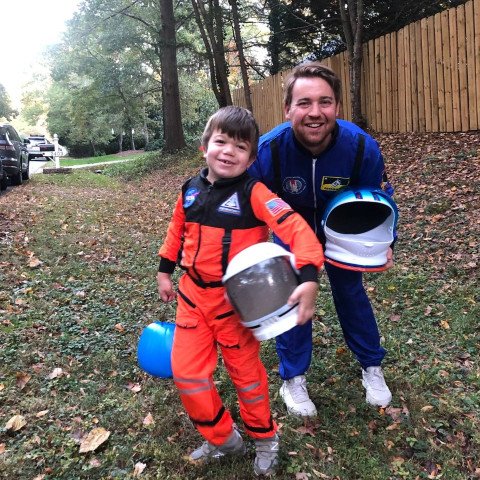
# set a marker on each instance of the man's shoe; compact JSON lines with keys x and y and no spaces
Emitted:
{"x":266,"y":460}
{"x":295,"y":395}
{"x":377,"y":390}
{"x":233,"y":446}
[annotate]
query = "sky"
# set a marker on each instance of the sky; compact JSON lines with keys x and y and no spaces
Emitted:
{"x":28,"y":27}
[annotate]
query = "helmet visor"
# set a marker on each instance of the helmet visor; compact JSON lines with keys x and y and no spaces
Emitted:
{"x":262,"y":289}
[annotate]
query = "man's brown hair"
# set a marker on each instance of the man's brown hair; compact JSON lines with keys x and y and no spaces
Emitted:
{"x":311,"y":70}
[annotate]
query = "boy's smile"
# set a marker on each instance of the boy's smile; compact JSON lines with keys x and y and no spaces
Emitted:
{"x":227,"y":157}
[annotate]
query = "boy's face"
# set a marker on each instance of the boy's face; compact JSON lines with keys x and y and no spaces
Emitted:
{"x":227,"y":157}
{"x":312,"y":113}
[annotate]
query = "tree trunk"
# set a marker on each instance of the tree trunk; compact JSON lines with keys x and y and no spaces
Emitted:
{"x":172,"y":119}
{"x":210,"y":24}
{"x":273,"y":46}
{"x":351,"y":13}
{"x":120,"y":142}
{"x":241,"y":54}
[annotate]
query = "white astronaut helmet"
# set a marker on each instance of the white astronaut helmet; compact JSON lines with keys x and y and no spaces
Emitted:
{"x":359,"y":226}
{"x":259,"y":280}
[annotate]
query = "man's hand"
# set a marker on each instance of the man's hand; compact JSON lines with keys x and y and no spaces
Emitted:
{"x":305,"y":295}
{"x":165,"y":287}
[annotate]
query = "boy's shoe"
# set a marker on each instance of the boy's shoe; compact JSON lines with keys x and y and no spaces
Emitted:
{"x":377,"y":390}
{"x":295,"y":395}
{"x":233,"y":446}
{"x":266,"y":460}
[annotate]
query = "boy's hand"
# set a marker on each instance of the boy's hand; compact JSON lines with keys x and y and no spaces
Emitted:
{"x":305,"y":295}
{"x":389,"y":263}
{"x":165,"y":287}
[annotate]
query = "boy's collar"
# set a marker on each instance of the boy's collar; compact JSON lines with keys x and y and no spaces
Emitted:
{"x":223,"y":182}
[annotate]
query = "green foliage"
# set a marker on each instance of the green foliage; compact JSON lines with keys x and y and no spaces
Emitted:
{"x":6,"y":110}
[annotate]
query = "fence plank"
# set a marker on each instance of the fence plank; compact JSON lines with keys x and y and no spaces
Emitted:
{"x":452,"y":20}
{"x":440,"y":76}
{"x":394,"y":83}
{"x":401,"y":81}
{"x":447,"y":76}
{"x":462,"y":67}
{"x":470,"y":50}
{"x":426,"y":74}
{"x":476,"y":41}
{"x":413,"y":77}
{"x":388,"y":127}
{"x":371,"y":66}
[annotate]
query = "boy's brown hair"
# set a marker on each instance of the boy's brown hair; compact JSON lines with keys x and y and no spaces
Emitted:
{"x":236,"y":122}
{"x":311,"y":70}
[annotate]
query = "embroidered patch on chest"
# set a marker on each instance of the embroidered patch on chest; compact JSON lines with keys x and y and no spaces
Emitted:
{"x":231,"y":205}
{"x":294,"y":185}
{"x":190,"y":196}
{"x":332,"y":184}
{"x":276,"y":205}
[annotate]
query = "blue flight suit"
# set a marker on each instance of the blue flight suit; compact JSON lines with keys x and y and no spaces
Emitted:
{"x":307,"y":183}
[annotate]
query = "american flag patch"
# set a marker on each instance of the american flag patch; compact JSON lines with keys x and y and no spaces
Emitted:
{"x":276,"y":205}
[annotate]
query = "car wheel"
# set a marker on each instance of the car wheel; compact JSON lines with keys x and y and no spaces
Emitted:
{"x":26,"y":173}
{"x":3,"y":183}
{"x":17,"y":179}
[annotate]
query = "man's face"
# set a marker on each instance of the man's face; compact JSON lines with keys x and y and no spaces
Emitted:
{"x":312,"y":113}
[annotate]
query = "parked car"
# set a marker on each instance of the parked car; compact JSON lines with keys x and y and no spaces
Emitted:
{"x":13,"y":154}
{"x":39,"y":146}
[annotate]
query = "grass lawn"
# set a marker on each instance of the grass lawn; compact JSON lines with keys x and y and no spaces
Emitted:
{"x":77,"y":275}
{"x":69,"y":162}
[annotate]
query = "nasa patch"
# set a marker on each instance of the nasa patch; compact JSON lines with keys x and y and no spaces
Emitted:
{"x":294,"y":185}
{"x":190,"y":196}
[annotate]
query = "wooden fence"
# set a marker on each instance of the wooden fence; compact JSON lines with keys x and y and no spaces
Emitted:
{"x":422,"y":78}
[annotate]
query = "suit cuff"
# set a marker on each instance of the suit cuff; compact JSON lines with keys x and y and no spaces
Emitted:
{"x":308,"y":273}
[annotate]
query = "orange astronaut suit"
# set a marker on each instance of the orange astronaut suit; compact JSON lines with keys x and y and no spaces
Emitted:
{"x":211,"y":223}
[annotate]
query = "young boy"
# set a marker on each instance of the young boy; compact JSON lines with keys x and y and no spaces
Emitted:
{"x":220,"y":212}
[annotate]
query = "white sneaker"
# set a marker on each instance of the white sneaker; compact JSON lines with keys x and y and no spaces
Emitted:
{"x":295,"y":395}
{"x":377,"y":390}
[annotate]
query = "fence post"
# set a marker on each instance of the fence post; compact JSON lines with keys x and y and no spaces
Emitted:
{"x":56,"y":155}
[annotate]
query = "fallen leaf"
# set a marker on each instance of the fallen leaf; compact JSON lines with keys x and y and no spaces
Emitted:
{"x":134,"y":387}
{"x":16,"y":423}
{"x":94,"y":439}
{"x":119,"y":327}
{"x":41,"y":414}
{"x":427,"y":408}
{"x":34,"y":262}
{"x":56,"y":372}
{"x":139,"y":468}
{"x":148,"y":420}
{"x":393,"y":426}
{"x":2,"y":448}
{"x":40,"y":477}
{"x":301,"y":476}
{"x":320,"y":474}
{"x":304,"y":430}
{"x":94,"y":462}
{"x":444,"y":324}
{"x":22,"y":379}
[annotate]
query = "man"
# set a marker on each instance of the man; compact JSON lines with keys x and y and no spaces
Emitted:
{"x":306,"y":161}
